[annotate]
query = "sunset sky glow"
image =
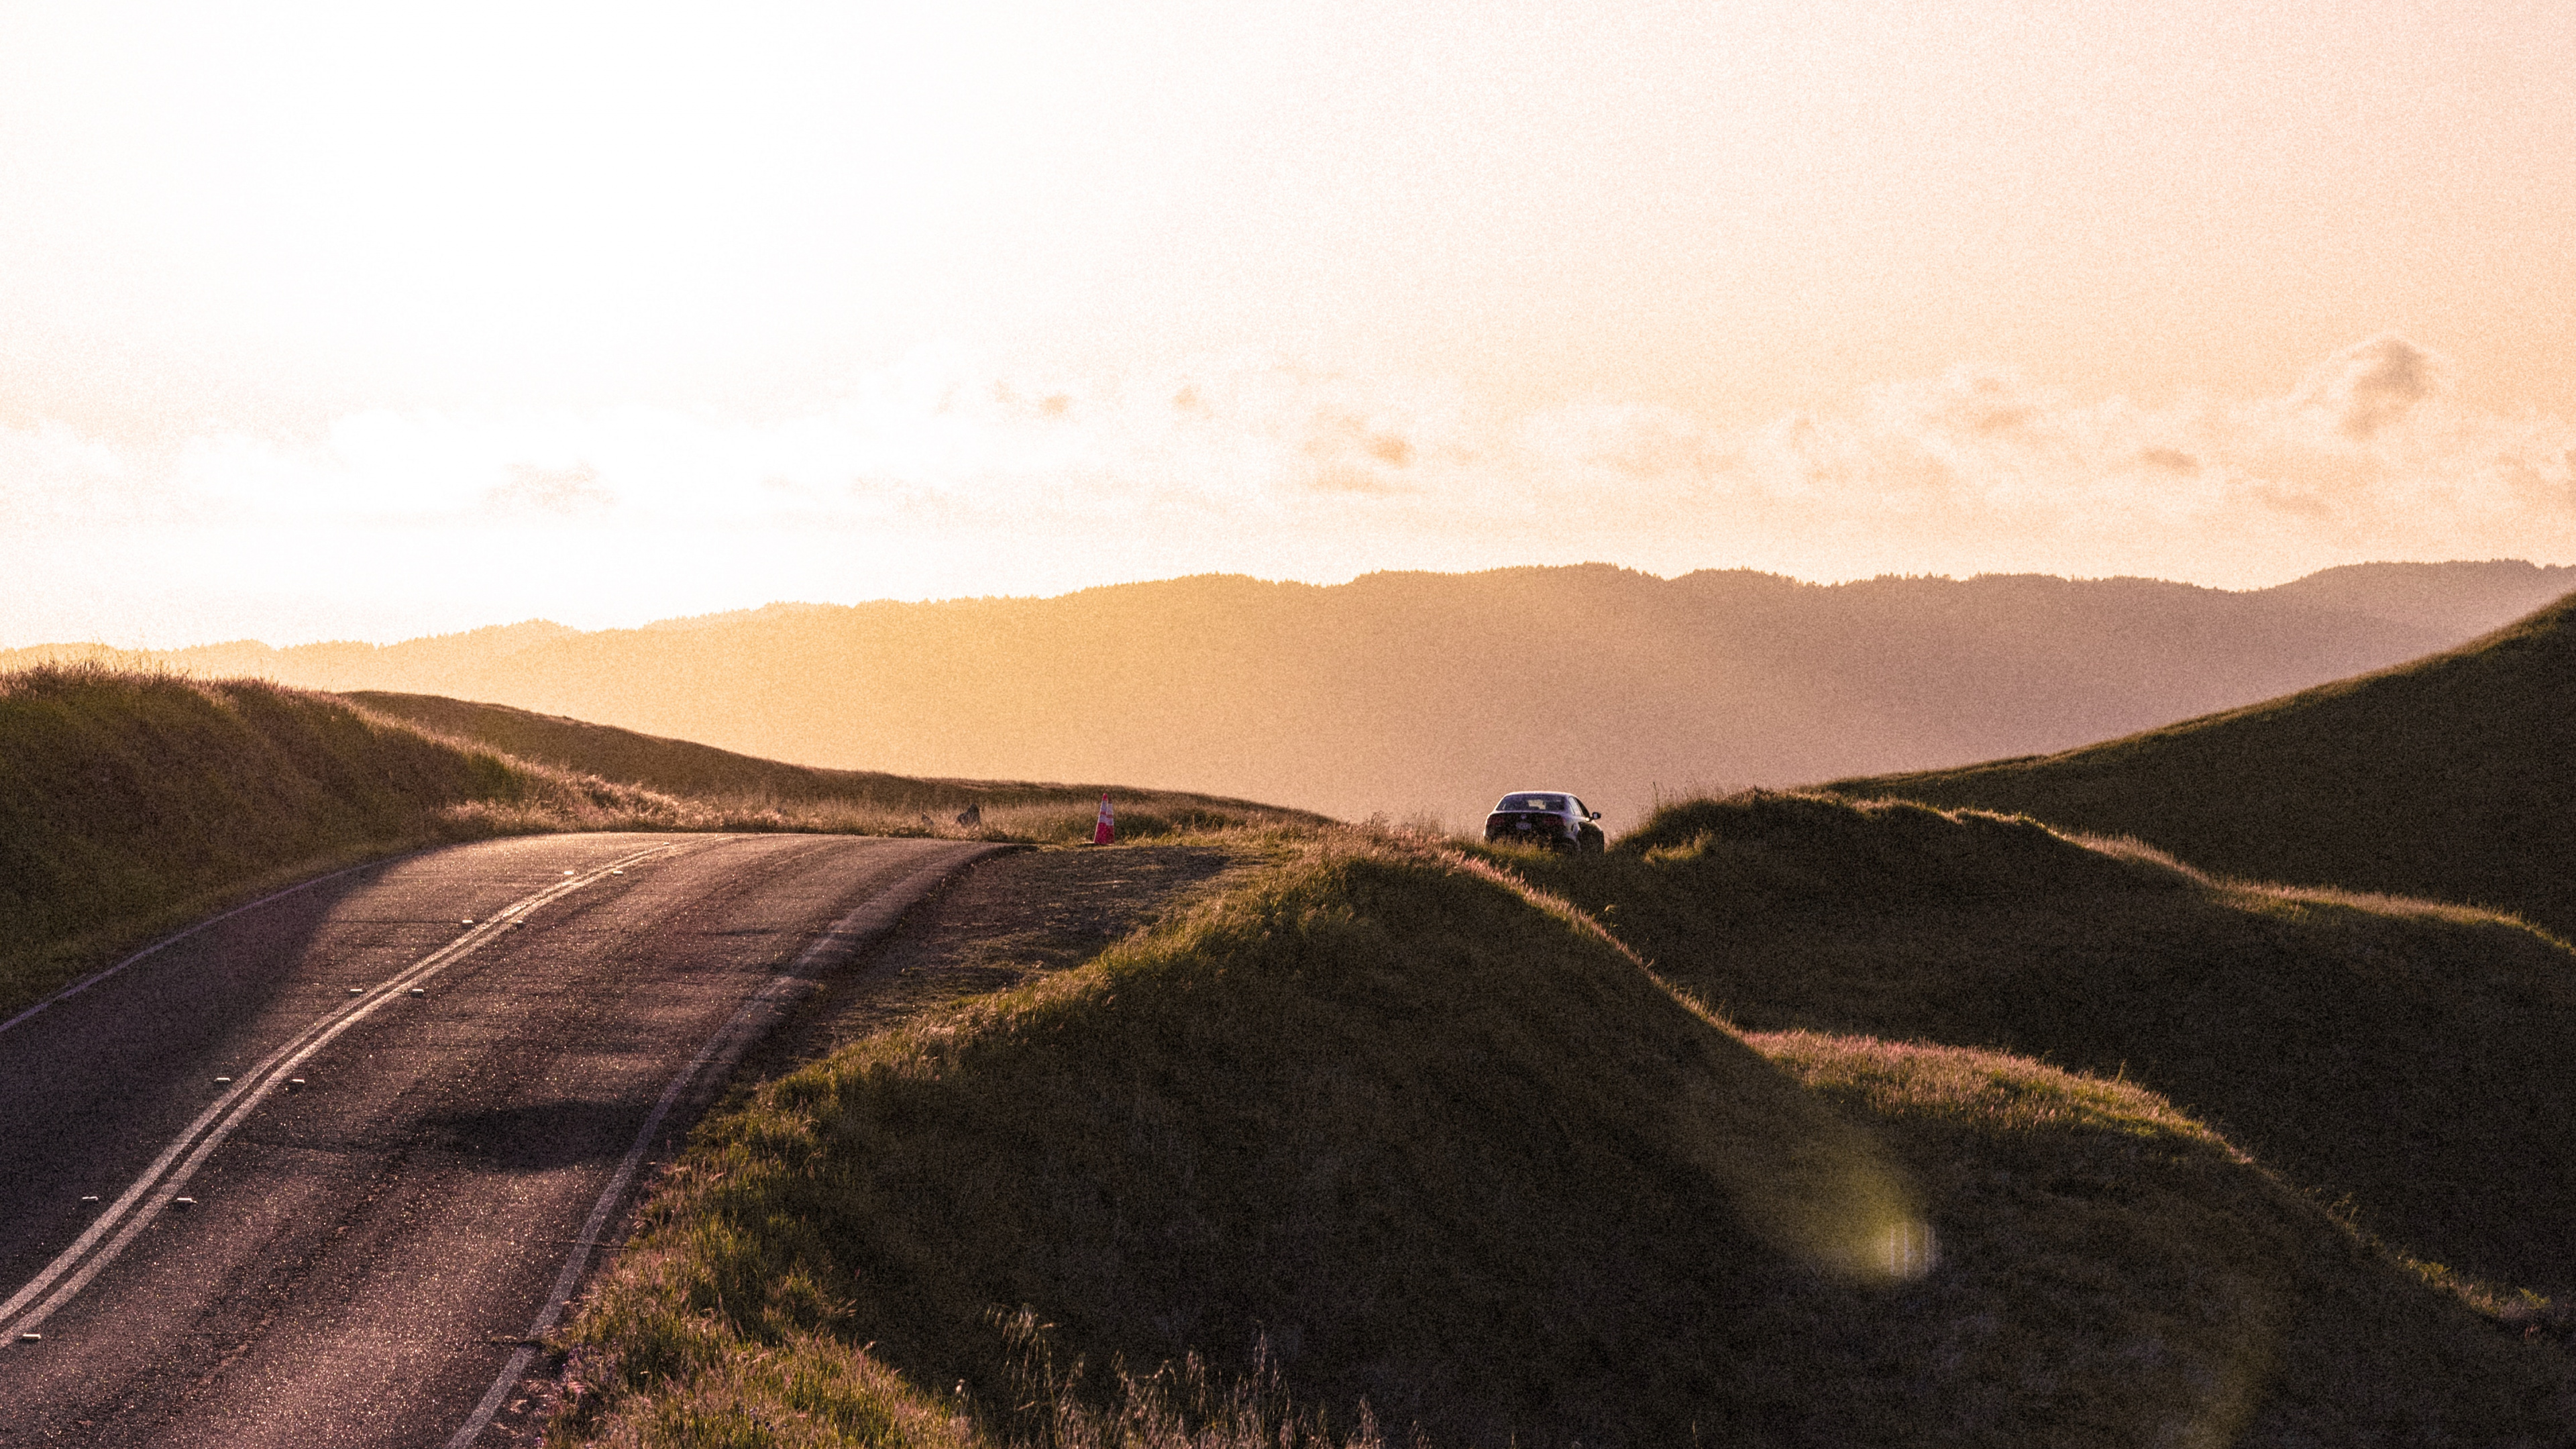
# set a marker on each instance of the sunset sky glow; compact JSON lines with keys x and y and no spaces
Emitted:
{"x":329,"y":321}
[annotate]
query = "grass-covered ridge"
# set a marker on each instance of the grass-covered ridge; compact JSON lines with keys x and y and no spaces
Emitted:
{"x":131,"y":803}
{"x":2453,"y":777}
{"x":2404,"y":1056}
{"x":1453,"y":1152}
{"x":2246,"y":1317}
{"x":861,"y":799}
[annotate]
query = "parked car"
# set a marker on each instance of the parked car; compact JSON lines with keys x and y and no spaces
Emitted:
{"x":1551,"y":818}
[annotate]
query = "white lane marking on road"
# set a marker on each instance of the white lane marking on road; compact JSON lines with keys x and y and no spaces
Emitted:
{"x":142,"y":1201}
{"x":86,"y":982}
{"x":870,"y":918}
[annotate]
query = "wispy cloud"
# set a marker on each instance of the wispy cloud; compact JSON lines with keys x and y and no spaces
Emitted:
{"x":942,"y":477}
{"x":2375,"y":385}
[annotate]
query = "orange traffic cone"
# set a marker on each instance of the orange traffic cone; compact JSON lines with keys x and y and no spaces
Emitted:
{"x":1107,"y":830}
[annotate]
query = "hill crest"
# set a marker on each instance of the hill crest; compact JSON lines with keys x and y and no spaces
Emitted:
{"x":2453,"y":776}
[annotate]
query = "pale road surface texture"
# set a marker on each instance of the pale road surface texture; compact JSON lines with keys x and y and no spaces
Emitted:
{"x":367,"y":1252}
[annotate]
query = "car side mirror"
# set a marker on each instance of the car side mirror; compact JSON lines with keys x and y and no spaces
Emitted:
{"x":1591,"y":814}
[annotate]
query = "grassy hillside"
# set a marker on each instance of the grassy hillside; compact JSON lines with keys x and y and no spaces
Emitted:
{"x":1403,"y":692}
{"x":1446,"y":1149}
{"x":132,"y":803}
{"x":2453,"y":777}
{"x":2408,"y":1060}
{"x":702,"y":772}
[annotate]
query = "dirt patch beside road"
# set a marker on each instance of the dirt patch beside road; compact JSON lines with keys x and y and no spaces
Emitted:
{"x":1009,"y":919}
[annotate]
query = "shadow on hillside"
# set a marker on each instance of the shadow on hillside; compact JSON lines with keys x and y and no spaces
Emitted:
{"x":2407,"y":1065}
{"x":2115,"y":1273}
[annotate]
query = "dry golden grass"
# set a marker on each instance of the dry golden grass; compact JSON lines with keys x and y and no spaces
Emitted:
{"x":131,"y":803}
{"x":134,"y":802}
{"x":867,"y":800}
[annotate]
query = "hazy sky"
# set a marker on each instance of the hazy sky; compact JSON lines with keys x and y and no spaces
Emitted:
{"x":372,"y":320}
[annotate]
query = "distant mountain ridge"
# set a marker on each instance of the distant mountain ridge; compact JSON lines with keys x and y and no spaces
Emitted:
{"x":1403,"y":692}
{"x":2466,"y":599}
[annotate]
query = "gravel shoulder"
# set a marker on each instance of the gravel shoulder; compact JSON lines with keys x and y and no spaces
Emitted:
{"x":1010,"y":919}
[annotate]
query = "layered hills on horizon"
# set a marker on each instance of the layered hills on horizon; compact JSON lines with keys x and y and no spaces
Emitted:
{"x":1406,"y":693}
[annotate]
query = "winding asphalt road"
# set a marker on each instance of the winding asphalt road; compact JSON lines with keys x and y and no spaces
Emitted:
{"x":317,"y":1172}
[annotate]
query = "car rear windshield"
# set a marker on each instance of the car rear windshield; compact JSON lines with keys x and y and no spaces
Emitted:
{"x":1554,"y":803}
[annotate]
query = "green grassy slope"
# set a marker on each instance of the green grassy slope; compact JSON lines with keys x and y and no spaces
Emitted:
{"x":1452,"y":1152}
{"x":2452,"y":777}
{"x":131,"y":803}
{"x":704,"y":772}
{"x":2410,"y":1060}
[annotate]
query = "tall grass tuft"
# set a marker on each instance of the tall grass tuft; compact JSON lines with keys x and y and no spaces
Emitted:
{"x":1183,"y":1405}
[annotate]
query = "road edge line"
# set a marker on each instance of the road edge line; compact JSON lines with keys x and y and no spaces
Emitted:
{"x":95,"y":977}
{"x":142,"y":1201}
{"x":867,"y":923}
